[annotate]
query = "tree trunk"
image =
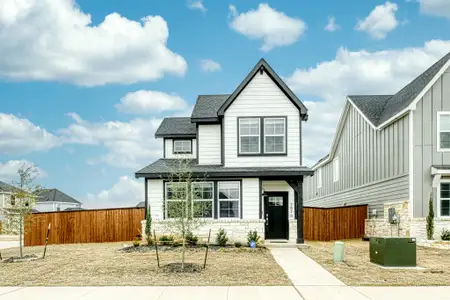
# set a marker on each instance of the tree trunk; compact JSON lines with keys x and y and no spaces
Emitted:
{"x":20,"y":235}
{"x":183,"y":252}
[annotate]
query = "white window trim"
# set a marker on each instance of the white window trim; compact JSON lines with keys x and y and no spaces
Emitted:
{"x":319,"y":178}
{"x":336,"y":169}
{"x":283,"y":135}
{"x":438,"y":206}
{"x":247,"y":135}
{"x":167,"y":200}
{"x":182,"y":151}
{"x":204,"y":200}
{"x":222,"y":200}
{"x":438,"y":130}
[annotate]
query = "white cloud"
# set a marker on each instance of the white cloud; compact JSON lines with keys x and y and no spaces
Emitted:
{"x":357,"y":72}
{"x":150,"y":102}
{"x":20,"y":136}
{"x":129,"y":144}
{"x":8,"y":170}
{"x":209,"y":65}
{"x":54,"y":40}
{"x":127,"y":192}
{"x":332,"y":26}
{"x":198,"y":5}
{"x":380,"y":21}
{"x":273,"y":27}
{"x":440,"y":8}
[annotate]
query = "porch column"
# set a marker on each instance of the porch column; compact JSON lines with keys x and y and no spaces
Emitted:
{"x":299,"y":192}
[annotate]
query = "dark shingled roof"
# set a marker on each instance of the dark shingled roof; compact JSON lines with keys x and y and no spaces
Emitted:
{"x":207,"y":106}
{"x":162,"y":168}
{"x":6,"y":187}
{"x":141,"y":204}
{"x":74,"y":209}
{"x":55,"y":195}
{"x":172,"y":127}
{"x":380,"y":108}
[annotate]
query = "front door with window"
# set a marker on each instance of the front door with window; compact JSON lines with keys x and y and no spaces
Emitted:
{"x":276,"y":214}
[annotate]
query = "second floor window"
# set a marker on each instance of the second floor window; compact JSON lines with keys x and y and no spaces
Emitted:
{"x":443,"y":124}
{"x":249,"y":136}
{"x":274,"y":135}
{"x":182,"y":146}
{"x":262,"y":135}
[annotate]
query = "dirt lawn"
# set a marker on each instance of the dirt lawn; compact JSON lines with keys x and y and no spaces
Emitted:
{"x":357,"y":269}
{"x":103,"y":264}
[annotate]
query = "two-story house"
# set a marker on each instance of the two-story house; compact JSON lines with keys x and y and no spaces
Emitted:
{"x":247,"y":147}
{"x":392,"y":151}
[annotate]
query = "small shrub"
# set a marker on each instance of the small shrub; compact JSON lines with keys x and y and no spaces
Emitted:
{"x":221,"y":238}
{"x":166,"y":239}
{"x":148,"y":228}
{"x":136,"y":242}
{"x":191,"y":239}
{"x":430,"y":219}
{"x":238,"y":244}
{"x":253,"y":236}
{"x":445,"y":236}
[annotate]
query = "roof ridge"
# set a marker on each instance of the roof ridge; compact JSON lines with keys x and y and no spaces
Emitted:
{"x":227,"y":94}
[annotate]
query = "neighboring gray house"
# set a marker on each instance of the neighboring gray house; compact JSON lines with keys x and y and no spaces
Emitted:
{"x":246,"y":147}
{"x":392,"y":151}
{"x":55,"y":200}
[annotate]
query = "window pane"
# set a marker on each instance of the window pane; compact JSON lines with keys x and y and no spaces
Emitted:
{"x":445,"y":190}
{"x":176,"y":191}
{"x":249,"y":144}
{"x":249,"y":126}
{"x":229,"y":209}
{"x":202,"y":190}
{"x":445,"y":140}
{"x":176,"y":209}
{"x":202,"y":209}
{"x":445,"y":208}
{"x":274,"y":144}
{"x":444,"y":121}
{"x":182,"y":146}
{"x":229,"y":191}
{"x":274,"y":126}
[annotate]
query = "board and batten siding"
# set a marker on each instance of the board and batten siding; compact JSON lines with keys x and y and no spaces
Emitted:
{"x":169,"y":150}
{"x":250,"y":198}
{"x":365,"y":156}
{"x":209,"y":137}
{"x":425,"y":142}
{"x":262,"y":98}
{"x":156,"y":198}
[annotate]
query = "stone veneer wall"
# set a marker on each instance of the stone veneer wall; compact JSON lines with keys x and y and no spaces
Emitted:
{"x":419,"y":228}
{"x":236,"y":230}
{"x":382,"y":227}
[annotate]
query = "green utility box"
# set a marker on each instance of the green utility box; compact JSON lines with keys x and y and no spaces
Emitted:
{"x":393,"y":251}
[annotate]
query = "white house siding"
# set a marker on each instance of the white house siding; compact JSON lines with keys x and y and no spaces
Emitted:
{"x":425,"y":143}
{"x":281,"y":186}
{"x":260,"y":98}
{"x":365,"y":156}
{"x":209,"y":137}
{"x":53,"y":206}
{"x":156,"y":198}
{"x":250,"y":198}
{"x":169,"y":150}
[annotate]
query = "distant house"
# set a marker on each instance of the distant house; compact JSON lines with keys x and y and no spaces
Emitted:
{"x":55,"y":200}
{"x":141,"y":204}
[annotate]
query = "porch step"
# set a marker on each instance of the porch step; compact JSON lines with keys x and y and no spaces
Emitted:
{"x":283,"y":244}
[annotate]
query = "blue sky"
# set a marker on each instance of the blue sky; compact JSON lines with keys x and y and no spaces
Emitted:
{"x":84,"y":85}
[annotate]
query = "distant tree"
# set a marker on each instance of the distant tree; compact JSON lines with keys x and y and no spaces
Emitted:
{"x":23,"y":199}
{"x":430,"y":219}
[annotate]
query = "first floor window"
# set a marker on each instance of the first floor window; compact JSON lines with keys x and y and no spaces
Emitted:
{"x":229,"y":199}
{"x":336,"y":169}
{"x":202,"y":199}
{"x":444,"y":130}
{"x":445,"y":199}
{"x":176,"y":194}
{"x":182,"y":146}
{"x":319,"y":178}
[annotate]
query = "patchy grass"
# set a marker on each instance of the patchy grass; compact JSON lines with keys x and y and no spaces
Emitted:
{"x":105,"y":265}
{"x":357,"y":269}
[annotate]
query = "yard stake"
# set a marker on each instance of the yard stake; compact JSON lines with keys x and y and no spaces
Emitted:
{"x":156,"y":247}
{"x":46,"y":239}
{"x":207,"y":248}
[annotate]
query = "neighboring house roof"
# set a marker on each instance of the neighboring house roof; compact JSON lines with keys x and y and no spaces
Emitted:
{"x":4,"y":187}
{"x":372,"y":106}
{"x":34,"y":210}
{"x":141,"y":204}
{"x":74,"y":209}
{"x":207,"y":106}
{"x":55,"y":195}
{"x":176,"y":127}
{"x":263,"y":65}
{"x":163,"y":168}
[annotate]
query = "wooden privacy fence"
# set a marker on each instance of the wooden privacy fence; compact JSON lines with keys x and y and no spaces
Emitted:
{"x":327,"y":224}
{"x":85,"y":226}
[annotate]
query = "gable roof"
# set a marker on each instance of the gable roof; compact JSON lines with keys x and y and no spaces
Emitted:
{"x":55,"y":195}
{"x":176,"y":127}
{"x":207,"y":106}
{"x":4,"y":187}
{"x":263,"y":65}
{"x":372,"y":106}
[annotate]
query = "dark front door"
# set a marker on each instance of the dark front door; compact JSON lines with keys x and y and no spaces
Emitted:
{"x":276,"y":214}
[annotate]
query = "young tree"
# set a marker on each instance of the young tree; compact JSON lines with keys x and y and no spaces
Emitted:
{"x":430,"y":219}
{"x":23,"y":199}
{"x":185,"y":210}
{"x":148,"y":227}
